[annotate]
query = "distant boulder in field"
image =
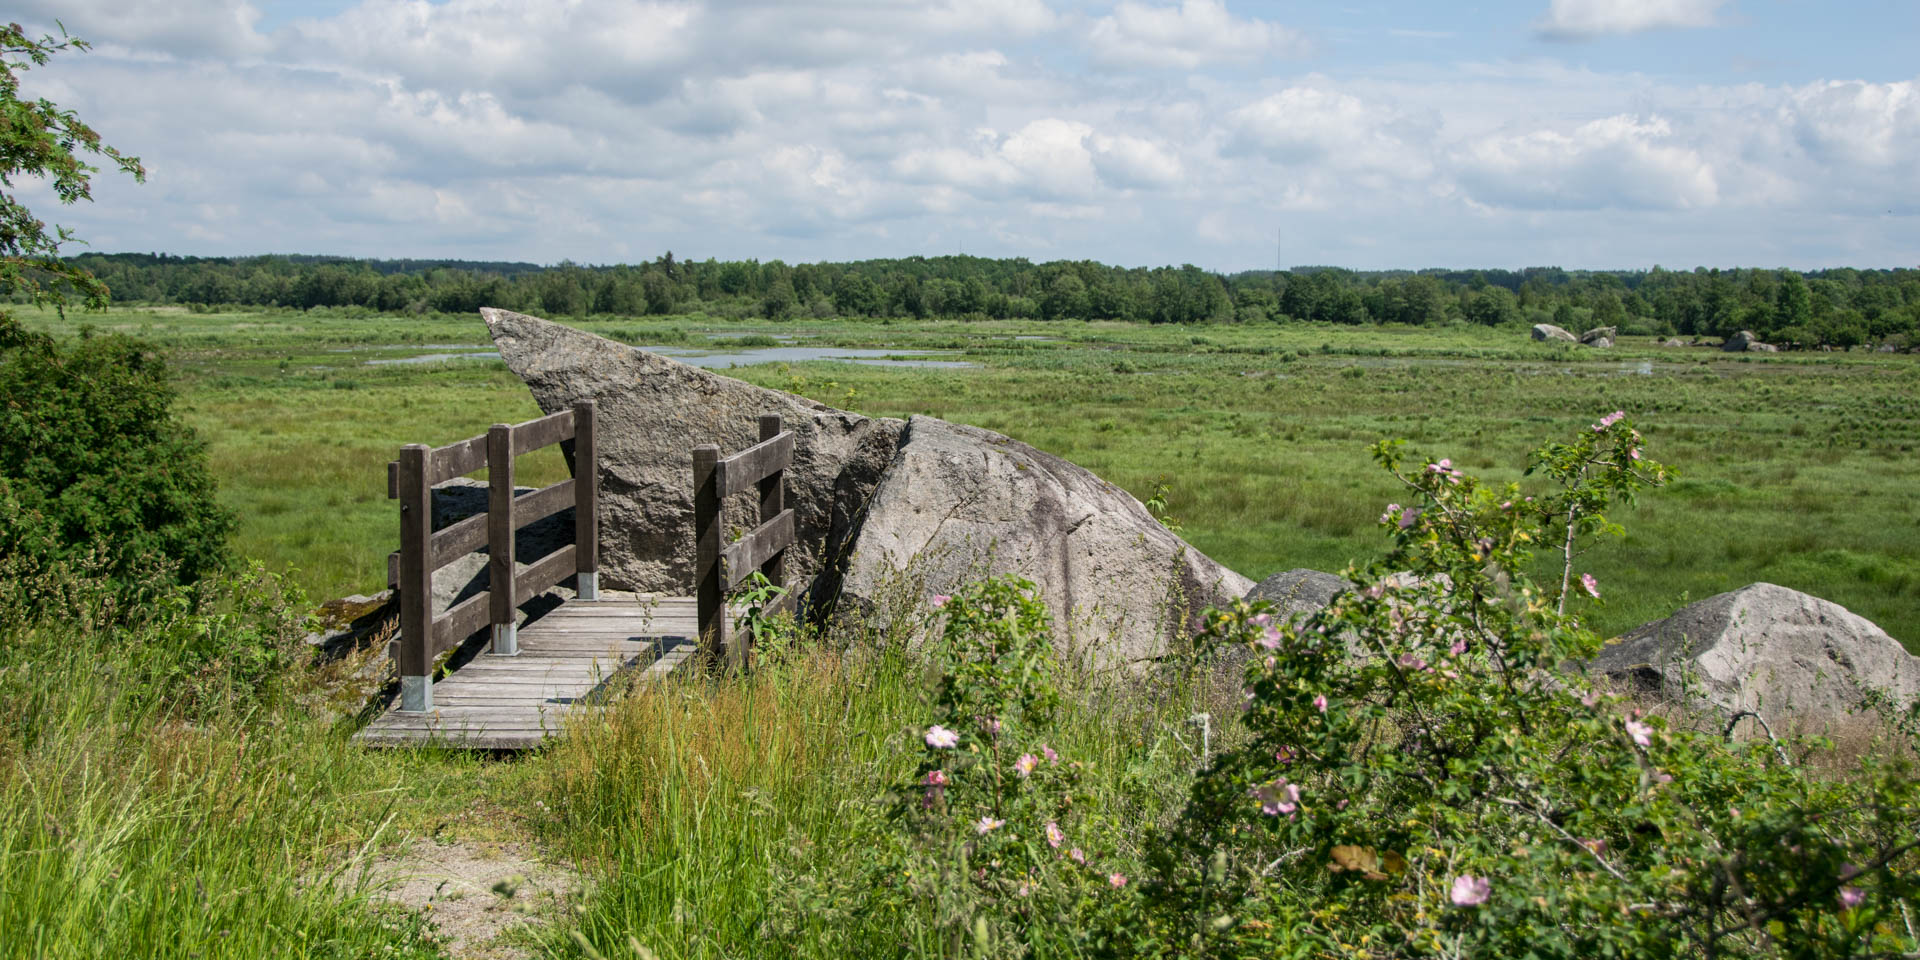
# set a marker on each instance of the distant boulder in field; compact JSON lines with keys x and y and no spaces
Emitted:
{"x":1746,"y":342}
{"x":1547,"y":331}
{"x":1765,"y":648}
{"x":887,"y":512}
{"x":1673,"y":342}
{"x":1299,"y":590}
{"x":652,"y":412}
{"x":1601,"y":337}
{"x":958,"y":502}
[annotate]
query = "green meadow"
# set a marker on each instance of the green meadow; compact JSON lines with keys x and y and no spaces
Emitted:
{"x":162,"y":795}
{"x":1796,"y":468}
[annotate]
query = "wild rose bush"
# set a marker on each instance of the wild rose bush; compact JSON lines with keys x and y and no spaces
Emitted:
{"x":993,"y":821}
{"x":1426,"y":772}
{"x":989,"y":846}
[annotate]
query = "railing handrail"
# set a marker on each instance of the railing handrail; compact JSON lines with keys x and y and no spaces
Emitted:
{"x":410,"y":479}
{"x":719,"y":569}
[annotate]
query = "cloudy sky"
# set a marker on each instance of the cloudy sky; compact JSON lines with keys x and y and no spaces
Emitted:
{"x":1226,"y":133}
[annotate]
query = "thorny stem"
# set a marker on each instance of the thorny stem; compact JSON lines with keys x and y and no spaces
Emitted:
{"x":1762,"y":721}
{"x":1570,"y":838}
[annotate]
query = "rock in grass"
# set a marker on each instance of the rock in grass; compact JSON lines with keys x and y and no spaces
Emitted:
{"x":872,"y":498}
{"x":1601,"y":337}
{"x":958,"y":502}
{"x":653,"y":411}
{"x":1765,"y":648}
{"x":1299,"y":590}
{"x":1746,"y":342}
{"x":1547,"y":331}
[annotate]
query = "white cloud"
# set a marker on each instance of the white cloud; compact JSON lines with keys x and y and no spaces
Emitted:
{"x":821,"y":129}
{"x":1192,"y":35}
{"x":1620,"y":161}
{"x":1316,"y":124}
{"x":1585,"y":19}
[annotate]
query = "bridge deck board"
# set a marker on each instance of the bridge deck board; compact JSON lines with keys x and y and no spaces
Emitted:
{"x":566,"y":656}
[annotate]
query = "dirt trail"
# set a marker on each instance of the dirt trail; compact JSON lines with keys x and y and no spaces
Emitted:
{"x":474,"y":893}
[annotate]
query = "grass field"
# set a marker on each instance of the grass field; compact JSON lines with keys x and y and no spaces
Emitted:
{"x":1796,"y":469}
{"x":151,"y":808}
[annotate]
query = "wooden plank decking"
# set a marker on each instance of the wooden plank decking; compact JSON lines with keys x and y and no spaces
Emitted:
{"x":566,"y":656}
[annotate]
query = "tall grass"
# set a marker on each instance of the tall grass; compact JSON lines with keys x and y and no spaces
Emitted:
{"x":733,"y":818}
{"x":136,"y":823}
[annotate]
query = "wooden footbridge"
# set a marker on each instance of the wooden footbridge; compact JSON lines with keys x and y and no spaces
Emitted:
{"x":474,"y":675}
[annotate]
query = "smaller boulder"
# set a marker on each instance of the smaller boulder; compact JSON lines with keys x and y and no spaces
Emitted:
{"x":1673,"y":342}
{"x":1547,"y":331}
{"x":1757,"y":347}
{"x":1299,"y":591}
{"x":1745,"y":341}
{"x":1768,"y":649}
{"x":1602,"y":337}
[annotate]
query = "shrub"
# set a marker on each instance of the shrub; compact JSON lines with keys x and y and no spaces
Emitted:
{"x":988,"y":848}
{"x":94,"y":463}
{"x":1424,"y":773}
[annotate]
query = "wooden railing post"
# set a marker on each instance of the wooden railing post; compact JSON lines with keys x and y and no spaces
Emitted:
{"x":773,"y":499}
{"x":586,"y":502}
{"x":500,"y":528}
{"x":709,"y":599}
{"x":416,"y":579}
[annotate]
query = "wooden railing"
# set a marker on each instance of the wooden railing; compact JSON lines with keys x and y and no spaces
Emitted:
{"x":423,"y":636}
{"x":718,"y":569}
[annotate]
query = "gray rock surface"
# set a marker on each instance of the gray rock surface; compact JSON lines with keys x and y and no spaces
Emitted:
{"x":1299,"y":590}
{"x":1746,"y":342}
{"x":653,"y":411}
{"x":1547,"y":331}
{"x":1673,"y":342}
{"x":1765,"y":648}
{"x":958,"y":501}
{"x":1602,"y":337}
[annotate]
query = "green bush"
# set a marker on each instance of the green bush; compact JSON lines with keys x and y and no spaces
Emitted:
{"x":1425,"y":772}
{"x":96,"y":470}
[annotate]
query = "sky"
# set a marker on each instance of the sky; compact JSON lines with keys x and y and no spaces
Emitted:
{"x":1600,"y":134}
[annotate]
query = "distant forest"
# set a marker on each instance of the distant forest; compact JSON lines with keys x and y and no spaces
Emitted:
{"x":1840,"y":307}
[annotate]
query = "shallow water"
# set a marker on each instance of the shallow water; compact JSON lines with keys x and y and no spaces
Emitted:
{"x":722,"y":359}
{"x":433,"y":357}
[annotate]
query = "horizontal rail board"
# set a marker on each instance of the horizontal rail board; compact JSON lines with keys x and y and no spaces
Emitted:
{"x":550,"y":429}
{"x":745,"y":555}
{"x":542,"y":503}
{"x":754,"y":464}
{"x":470,"y":534}
{"x":552,"y":568}
{"x":456,"y":460}
{"x":444,"y":463}
{"x":457,"y":540}
{"x":460,"y":622}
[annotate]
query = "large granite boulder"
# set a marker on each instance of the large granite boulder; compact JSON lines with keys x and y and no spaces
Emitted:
{"x":1299,"y":591}
{"x":1601,"y":337}
{"x":1547,"y":331}
{"x":1745,"y":342}
{"x":1765,"y":648}
{"x":652,"y":412}
{"x":958,"y":502}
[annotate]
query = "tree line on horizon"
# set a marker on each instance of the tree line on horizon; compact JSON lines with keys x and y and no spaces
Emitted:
{"x":1842,"y":307}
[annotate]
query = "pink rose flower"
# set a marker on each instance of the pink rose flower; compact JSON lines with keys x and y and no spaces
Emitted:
{"x":935,"y":778}
{"x":1026,"y":764}
{"x":1591,"y":585}
{"x":1640,"y":732}
{"x":1116,"y":880}
{"x":1470,"y":891}
{"x":1055,"y":836}
{"x":940,"y":738}
{"x":1320,"y":702}
{"x":940,"y":600}
{"x":988,"y":825}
